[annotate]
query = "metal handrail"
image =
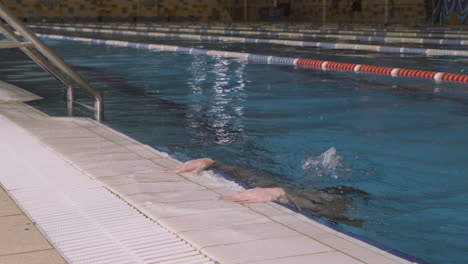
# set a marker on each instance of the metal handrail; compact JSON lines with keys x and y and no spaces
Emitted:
{"x":47,"y":59}
{"x":36,"y":57}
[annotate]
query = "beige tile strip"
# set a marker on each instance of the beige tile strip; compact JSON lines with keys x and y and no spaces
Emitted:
{"x":188,"y":204}
{"x":20,"y":241}
{"x":10,"y":93}
{"x":86,"y":222}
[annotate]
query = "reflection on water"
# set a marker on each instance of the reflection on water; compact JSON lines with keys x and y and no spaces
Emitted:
{"x":216,"y":112}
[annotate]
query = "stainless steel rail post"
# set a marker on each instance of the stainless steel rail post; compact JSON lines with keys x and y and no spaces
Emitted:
{"x":42,"y":62}
{"x":54,"y":59}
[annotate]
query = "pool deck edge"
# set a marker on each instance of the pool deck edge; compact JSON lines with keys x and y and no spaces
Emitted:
{"x":188,"y":204}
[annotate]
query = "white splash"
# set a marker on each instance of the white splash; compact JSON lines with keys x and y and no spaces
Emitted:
{"x":325,"y":163}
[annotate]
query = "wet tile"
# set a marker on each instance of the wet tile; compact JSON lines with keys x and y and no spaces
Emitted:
{"x":315,"y":223}
{"x":44,"y":124}
{"x":15,"y":115}
{"x":143,"y":152}
{"x":305,"y":220}
{"x":212,"y":219}
{"x":282,"y":208}
{"x":167,"y":163}
{"x":97,"y":156}
{"x":122,"y":141}
{"x":229,"y":190}
{"x":130,"y":159}
{"x":4,"y":106}
{"x":20,"y":235}
{"x":124,"y":169}
{"x":268,"y":209}
{"x":136,"y":162}
{"x":130,"y":189}
{"x":103,"y":131}
{"x":370,"y":247}
{"x":188,"y":208}
{"x":364,"y":254}
{"x":157,"y":152}
{"x":10,"y":93}
{"x":327,"y":257}
{"x":84,"y":122}
{"x":31,"y":112}
{"x":299,"y":225}
{"x":77,"y":142}
{"x":266,"y":249}
{"x":168,"y":197}
{"x":113,"y":135}
{"x":139,"y":178}
{"x":236,"y":234}
{"x":108,"y":156}
{"x":82,"y":141}
{"x":210,"y":180}
{"x":50,"y":256}
{"x":89,"y":162}
{"x":64,"y":133}
{"x":100,"y":148}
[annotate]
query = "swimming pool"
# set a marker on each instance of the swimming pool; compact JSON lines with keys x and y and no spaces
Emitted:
{"x":401,"y":140}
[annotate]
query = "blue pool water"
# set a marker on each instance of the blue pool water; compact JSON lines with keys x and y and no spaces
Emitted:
{"x":400,"y":140}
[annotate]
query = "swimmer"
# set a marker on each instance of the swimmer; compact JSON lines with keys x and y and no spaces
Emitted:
{"x":197,"y":166}
{"x":328,"y":202}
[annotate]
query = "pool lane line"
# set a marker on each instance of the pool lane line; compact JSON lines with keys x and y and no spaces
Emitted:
{"x":296,"y":26}
{"x":325,"y":45}
{"x":340,"y":35}
{"x":274,"y":60}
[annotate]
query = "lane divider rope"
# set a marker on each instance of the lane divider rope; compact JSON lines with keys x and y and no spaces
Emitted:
{"x":299,"y":62}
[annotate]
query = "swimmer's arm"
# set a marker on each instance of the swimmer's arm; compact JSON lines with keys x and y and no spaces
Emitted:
{"x":258,"y":195}
{"x":197,"y":166}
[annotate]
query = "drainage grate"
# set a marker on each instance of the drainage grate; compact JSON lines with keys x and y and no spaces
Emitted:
{"x":84,"y":221}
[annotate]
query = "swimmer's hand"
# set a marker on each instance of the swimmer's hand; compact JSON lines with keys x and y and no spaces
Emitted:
{"x":257,"y":195}
{"x":197,"y":166}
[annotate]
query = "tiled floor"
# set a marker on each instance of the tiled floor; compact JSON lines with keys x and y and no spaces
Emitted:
{"x":188,"y":204}
{"x":20,"y":240}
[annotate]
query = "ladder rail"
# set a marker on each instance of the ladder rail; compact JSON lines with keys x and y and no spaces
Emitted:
{"x":55,"y":60}
{"x":13,"y":44}
{"x":36,"y":57}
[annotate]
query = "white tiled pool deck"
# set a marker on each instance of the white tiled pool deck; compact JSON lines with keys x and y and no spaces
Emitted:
{"x":187,"y":205}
